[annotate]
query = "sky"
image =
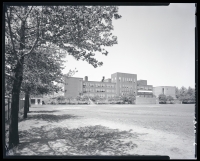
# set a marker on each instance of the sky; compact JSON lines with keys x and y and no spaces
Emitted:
{"x":155,"y":42}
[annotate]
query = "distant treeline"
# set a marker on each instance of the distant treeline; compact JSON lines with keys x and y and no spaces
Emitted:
{"x":183,"y":94}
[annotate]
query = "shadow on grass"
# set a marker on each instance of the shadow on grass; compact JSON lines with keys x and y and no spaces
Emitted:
{"x":91,"y":140}
{"x":50,"y":117}
{"x":43,"y":111}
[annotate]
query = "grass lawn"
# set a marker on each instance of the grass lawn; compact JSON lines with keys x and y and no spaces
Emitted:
{"x":107,"y":130}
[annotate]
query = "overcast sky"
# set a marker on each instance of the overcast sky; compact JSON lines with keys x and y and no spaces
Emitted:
{"x":156,"y":43}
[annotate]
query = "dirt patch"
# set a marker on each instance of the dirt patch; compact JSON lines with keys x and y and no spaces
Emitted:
{"x":90,"y":140}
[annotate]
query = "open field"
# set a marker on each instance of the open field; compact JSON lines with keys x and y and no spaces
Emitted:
{"x":108,"y":130}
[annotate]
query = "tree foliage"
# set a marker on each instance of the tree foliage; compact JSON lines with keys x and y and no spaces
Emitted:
{"x":169,"y":98}
{"x":130,"y":98}
{"x":41,"y":69}
{"x":186,"y":95}
{"x":60,"y":99}
{"x":162,"y":98}
{"x":80,"y":31}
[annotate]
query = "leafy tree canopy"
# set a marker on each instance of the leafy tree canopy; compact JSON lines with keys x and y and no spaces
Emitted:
{"x":162,"y":98}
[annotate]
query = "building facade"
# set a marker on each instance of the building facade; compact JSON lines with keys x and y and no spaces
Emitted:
{"x":166,"y":90}
{"x":73,"y":86}
{"x":36,"y":99}
{"x":144,"y":90}
{"x":119,"y":84}
{"x":104,"y":89}
{"x":125,"y":83}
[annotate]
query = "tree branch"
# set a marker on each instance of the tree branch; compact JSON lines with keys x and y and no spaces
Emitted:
{"x":17,"y":14}
{"x":28,"y":28}
{"x":29,"y":36}
{"x":36,"y":40}
{"x":11,"y":76}
{"x":11,"y":37}
{"x":28,"y":13}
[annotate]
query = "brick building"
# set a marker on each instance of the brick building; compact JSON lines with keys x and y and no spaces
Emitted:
{"x":125,"y":83}
{"x":118,"y":85}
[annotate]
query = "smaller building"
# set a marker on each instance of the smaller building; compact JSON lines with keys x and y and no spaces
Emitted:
{"x":144,"y":90}
{"x":144,"y":93}
{"x":166,"y":90}
{"x":36,"y":100}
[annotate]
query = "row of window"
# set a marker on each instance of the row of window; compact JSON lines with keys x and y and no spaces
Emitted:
{"x":143,"y":93}
{"x":98,"y":90}
{"x":149,"y":96}
{"x":145,"y":87}
{"x":98,"y":85}
{"x":125,"y":93}
{"x":122,"y":79}
{"x":126,"y":90}
{"x":126,"y":86}
{"x":110,"y":95}
{"x":100,"y":95}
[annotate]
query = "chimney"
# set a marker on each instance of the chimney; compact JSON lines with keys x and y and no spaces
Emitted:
{"x":103,"y":79}
{"x":86,"y":78}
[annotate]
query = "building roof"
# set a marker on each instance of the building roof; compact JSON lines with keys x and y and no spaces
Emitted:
{"x":75,"y":77}
{"x":144,"y":85}
{"x":164,"y":86}
{"x":99,"y":82}
{"x":144,"y":91}
{"x":123,"y":73}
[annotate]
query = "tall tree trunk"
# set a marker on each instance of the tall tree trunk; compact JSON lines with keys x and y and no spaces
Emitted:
{"x":26,"y":105}
{"x":13,"y":128}
{"x":29,"y":104}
